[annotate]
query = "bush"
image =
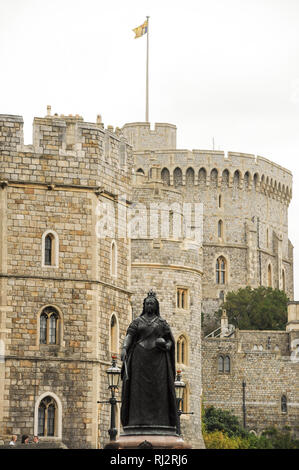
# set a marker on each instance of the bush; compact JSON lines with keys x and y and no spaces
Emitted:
{"x":215,"y":419}
{"x":222,"y":430}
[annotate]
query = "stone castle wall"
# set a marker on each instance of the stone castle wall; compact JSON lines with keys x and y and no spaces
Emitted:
{"x":165,"y":264}
{"x":57,"y":184}
{"x":264,"y":360}
{"x":255,"y":194}
{"x":66,"y":182}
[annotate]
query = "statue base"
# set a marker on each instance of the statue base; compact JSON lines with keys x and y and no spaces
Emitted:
{"x":148,"y":441}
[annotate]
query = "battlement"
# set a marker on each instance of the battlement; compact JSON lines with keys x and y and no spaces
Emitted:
{"x":53,"y":133}
{"x":141,"y":137}
{"x":65,"y":149}
{"x":215,"y":169}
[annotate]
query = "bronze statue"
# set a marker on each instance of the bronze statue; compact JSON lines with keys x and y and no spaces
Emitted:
{"x":148,"y":374}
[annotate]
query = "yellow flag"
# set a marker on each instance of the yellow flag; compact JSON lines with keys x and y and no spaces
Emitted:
{"x":140,"y":30}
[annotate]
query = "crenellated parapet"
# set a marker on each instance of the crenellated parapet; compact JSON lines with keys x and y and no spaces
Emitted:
{"x":65,"y":149}
{"x":215,"y":170}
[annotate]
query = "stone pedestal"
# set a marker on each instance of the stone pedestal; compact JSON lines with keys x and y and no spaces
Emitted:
{"x":148,"y":441}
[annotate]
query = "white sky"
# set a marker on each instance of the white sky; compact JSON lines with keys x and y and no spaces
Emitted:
{"x":227,"y":69}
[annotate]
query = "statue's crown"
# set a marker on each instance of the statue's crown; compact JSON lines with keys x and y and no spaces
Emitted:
{"x":151,"y":293}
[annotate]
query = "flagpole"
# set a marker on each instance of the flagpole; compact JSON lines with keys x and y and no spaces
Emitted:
{"x":147,"y":57}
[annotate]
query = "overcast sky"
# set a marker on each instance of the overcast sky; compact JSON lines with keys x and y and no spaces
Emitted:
{"x":227,"y":69}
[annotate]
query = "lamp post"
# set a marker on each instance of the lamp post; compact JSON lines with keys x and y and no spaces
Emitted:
{"x":113,"y":374}
{"x":179,"y":386}
{"x":244,"y":403}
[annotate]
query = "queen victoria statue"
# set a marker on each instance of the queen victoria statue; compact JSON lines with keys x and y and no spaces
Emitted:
{"x":148,"y":374}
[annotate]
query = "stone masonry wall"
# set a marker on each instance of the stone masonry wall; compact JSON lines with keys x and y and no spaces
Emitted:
{"x":269,"y":373}
{"x":57,"y":184}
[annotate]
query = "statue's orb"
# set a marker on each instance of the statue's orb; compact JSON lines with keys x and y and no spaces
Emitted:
{"x":160,"y":343}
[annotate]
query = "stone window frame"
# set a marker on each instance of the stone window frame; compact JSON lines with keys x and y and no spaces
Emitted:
{"x":182,"y":338}
{"x":113,"y":259}
{"x":55,"y":249}
{"x":224,"y":356}
{"x":59,"y":336}
{"x":58,"y":416}
{"x":220,"y":201}
{"x":116,"y":333}
{"x":182,"y":304}
{"x":226,"y":270}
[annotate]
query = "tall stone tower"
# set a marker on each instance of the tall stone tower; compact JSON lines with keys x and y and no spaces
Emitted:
{"x":166,"y":255}
{"x":64,"y":288}
{"x":245,"y":210}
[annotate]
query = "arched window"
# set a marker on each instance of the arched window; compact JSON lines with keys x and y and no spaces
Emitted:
{"x":227,"y":364}
{"x":49,"y":326}
{"x":221,"y":270}
{"x":220,"y":229}
{"x":214,"y":178}
{"x":165,"y":176}
{"x":47,"y":417}
{"x":114,"y":334}
{"x":284,"y":404}
{"x":202,"y":177}
{"x":225,"y":179}
{"x":182,"y":298}
{"x":50,"y":249}
{"x":177,"y":177}
{"x":190,"y":177}
{"x":269,"y":275}
{"x":236,"y":180}
{"x":113,"y":259}
{"x":220,"y":364}
{"x":224,"y":364}
{"x":182,"y":350}
{"x":246,"y":180}
{"x":220,"y":200}
{"x":140,"y":171}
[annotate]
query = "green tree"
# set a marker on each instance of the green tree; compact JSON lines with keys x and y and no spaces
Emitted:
{"x":262,"y":308}
{"x":216,"y":419}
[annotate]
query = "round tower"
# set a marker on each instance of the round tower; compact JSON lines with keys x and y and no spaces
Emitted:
{"x":245,"y":212}
{"x":166,"y":256}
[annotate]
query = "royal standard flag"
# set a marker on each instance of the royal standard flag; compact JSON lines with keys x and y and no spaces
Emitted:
{"x":141,"y":30}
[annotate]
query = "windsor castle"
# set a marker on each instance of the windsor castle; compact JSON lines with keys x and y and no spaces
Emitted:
{"x":91,"y":218}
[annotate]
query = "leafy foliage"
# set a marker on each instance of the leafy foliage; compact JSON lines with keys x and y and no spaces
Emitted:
{"x":262,"y":308}
{"x":222,"y":430}
{"x":216,"y":419}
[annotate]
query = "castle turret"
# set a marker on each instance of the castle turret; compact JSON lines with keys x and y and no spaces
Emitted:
{"x":166,"y":256}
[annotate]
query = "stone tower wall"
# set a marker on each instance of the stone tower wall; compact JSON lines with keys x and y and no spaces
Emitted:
{"x":163,"y":264}
{"x":255,"y":194}
{"x":57,"y":184}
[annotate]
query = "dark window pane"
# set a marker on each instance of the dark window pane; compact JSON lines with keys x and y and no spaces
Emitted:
{"x":48,"y":250}
{"x":51,"y":420}
{"x":41,"y":420}
{"x":43,"y":328}
{"x":220,"y":364}
{"x":53,"y":327}
{"x":284,"y":404}
{"x":227,"y":364}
